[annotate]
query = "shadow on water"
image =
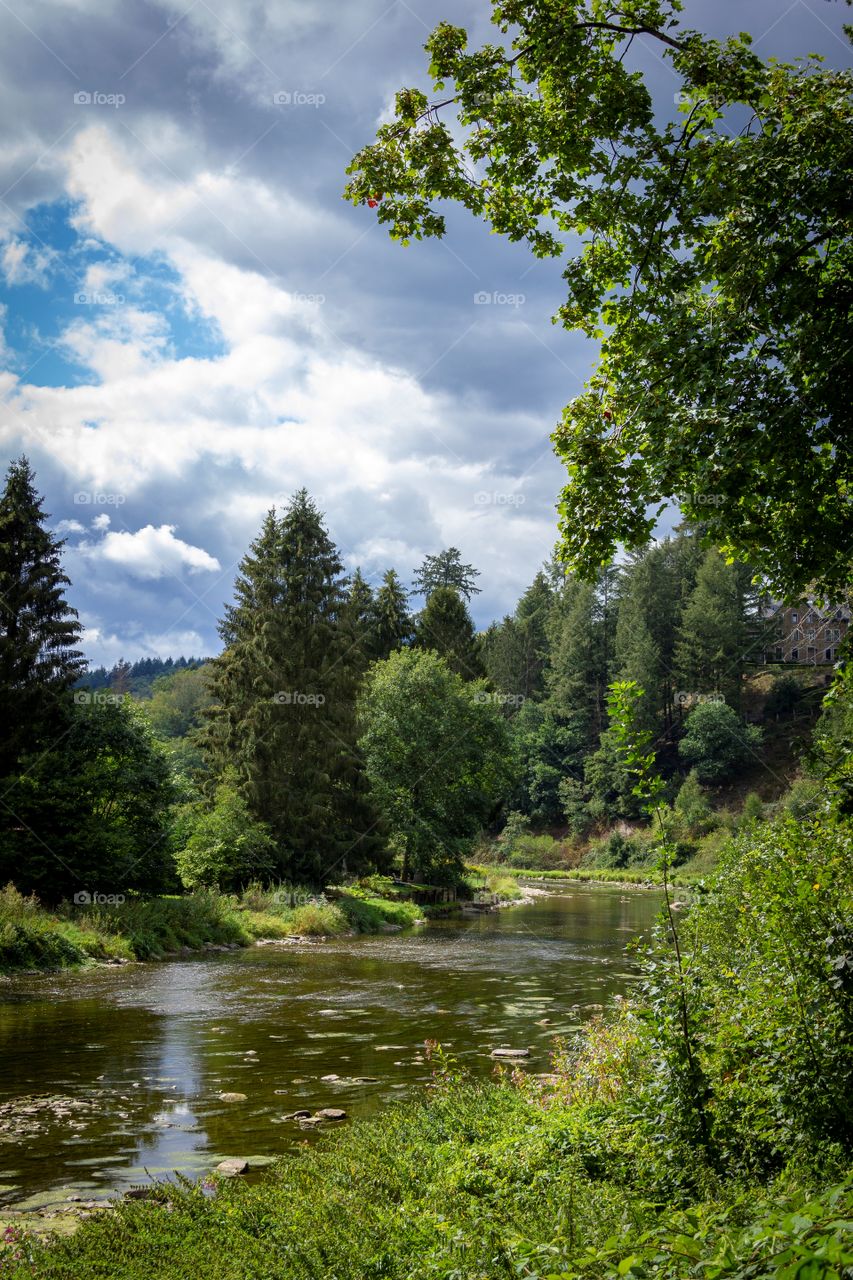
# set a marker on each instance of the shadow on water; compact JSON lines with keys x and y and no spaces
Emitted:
{"x":112,"y":1076}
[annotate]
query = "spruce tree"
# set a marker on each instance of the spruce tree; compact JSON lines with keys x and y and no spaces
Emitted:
{"x":445,"y":626}
{"x":582,"y":656}
{"x":359,"y":616}
{"x":531,"y":617}
{"x":392,"y":622}
{"x":713,"y":635}
{"x":502,"y":655}
{"x":284,"y":692}
{"x":447,"y":570}
{"x":39,"y":632}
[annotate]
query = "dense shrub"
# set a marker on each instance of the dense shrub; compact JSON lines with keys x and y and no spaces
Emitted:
{"x":225,"y":846}
{"x":717,"y":741}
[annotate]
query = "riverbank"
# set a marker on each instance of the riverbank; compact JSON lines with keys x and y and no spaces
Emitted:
{"x":647,"y":879}
{"x":641,"y":1153}
{"x":34,"y":938}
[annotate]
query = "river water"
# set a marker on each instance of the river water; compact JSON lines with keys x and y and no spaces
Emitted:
{"x":114,"y":1074}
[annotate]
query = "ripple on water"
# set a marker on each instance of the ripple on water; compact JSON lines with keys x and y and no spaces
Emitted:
{"x":184,"y":1030}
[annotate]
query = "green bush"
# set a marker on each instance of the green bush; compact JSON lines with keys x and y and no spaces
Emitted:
{"x":716,"y":741}
{"x":691,"y":807}
{"x":226,"y":847}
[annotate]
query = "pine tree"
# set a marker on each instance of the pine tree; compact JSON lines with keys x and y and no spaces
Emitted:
{"x":284,"y":700}
{"x":39,"y":632}
{"x":445,"y":626}
{"x":447,"y":570}
{"x":515,"y":650}
{"x":502,"y":654}
{"x":713,"y":636}
{"x":581,"y":658}
{"x":359,"y":617}
{"x":531,"y":617}
{"x":655,"y":588}
{"x":392,"y":621}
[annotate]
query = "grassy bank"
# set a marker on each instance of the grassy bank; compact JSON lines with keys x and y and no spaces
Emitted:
{"x":35,"y":937}
{"x":598,"y":875}
{"x":651,"y":1151}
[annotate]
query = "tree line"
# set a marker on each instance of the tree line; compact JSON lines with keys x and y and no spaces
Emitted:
{"x":340,"y":731}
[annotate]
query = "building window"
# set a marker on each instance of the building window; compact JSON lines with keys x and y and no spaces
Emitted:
{"x":829,"y":655}
{"x":795,"y":655}
{"x":795,"y":617}
{"x":811,"y":634}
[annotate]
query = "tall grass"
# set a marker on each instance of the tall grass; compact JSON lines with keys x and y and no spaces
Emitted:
{"x":33,"y":937}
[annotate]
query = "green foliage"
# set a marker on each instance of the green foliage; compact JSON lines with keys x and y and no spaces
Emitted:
{"x":775,"y":973}
{"x":716,"y":741}
{"x":713,"y":265}
{"x":515,"y":651}
{"x":438,"y":757}
{"x":711,"y":648}
{"x":447,"y":570}
{"x":178,"y":701}
{"x":284,"y":690}
{"x":366,"y":912}
{"x":226,"y":847}
{"x":444,"y":626}
{"x":39,"y":632}
{"x":753,"y":809}
{"x":392,"y":622}
{"x":93,"y":812}
{"x":691,"y":806}
{"x":546,"y":748}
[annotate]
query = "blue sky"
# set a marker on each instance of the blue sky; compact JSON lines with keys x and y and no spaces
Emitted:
{"x":194,"y":324}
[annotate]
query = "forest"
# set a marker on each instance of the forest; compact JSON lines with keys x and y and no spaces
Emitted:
{"x":310,"y":751}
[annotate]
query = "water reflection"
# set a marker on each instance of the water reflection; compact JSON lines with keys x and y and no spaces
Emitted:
{"x":135,"y":1060}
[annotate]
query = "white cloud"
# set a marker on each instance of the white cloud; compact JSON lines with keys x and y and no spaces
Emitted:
{"x":149,"y":553}
{"x":101,"y":522}
{"x":104,"y":646}
{"x":21,"y":263}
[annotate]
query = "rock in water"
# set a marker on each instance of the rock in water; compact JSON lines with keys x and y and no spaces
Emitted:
{"x":331,"y":1113}
{"x":233,"y":1097}
{"x":232,"y":1167}
{"x":510,"y":1053}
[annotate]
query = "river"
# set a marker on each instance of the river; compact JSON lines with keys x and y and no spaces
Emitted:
{"x":112,"y":1076}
